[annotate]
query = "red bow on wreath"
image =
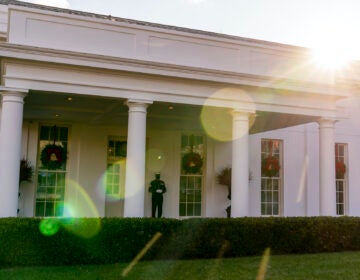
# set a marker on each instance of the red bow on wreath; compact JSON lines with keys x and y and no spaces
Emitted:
{"x":53,"y":156}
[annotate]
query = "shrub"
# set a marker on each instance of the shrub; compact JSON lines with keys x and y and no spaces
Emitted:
{"x":121,"y":239}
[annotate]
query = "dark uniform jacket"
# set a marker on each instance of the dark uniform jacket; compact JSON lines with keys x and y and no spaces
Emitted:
{"x":157,"y":187}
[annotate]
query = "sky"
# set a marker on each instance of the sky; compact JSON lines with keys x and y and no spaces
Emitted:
{"x":326,"y":25}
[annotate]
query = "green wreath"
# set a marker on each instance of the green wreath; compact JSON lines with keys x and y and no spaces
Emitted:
{"x":270,"y":166}
{"x":53,"y":156}
{"x":192,"y":163}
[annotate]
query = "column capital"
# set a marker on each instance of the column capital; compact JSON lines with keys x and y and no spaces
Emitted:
{"x":236,"y":111}
{"x":138,"y":105}
{"x":144,"y":102}
{"x":241,"y":115}
{"x":13,"y":91}
{"x":326,"y":122}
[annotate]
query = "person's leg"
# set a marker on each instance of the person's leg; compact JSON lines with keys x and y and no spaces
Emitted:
{"x":153,"y":206}
{"x":160,"y":203}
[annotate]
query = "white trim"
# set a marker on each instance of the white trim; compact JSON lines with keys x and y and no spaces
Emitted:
{"x":343,"y":88}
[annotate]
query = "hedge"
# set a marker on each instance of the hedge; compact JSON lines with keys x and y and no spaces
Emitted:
{"x":113,"y":240}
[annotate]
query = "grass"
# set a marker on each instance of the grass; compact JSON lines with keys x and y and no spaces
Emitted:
{"x":317,"y":266}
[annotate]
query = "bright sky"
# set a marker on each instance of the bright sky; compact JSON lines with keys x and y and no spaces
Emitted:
{"x":328,"y":25}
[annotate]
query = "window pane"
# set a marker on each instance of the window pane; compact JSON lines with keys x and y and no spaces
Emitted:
{"x":44,"y":133}
{"x":275,"y":196}
{"x":182,"y":209}
{"x":60,"y":180}
{"x":263,"y":209}
{"x":269,"y":209}
{"x":276,"y":209}
{"x":190,"y":196}
{"x":49,"y":211}
{"x":198,"y":196}
{"x":190,"y":209}
{"x":59,"y":209}
{"x":40,"y":206}
{"x":197,"y":209}
{"x":63,"y":134}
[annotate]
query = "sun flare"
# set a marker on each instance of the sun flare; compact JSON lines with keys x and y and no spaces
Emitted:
{"x":330,"y":58}
{"x":333,"y":51}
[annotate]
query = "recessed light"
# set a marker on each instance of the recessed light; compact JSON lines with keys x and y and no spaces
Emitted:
{"x":69,"y":98}
{"x":171,"y":107}
{"x":57,"y":115}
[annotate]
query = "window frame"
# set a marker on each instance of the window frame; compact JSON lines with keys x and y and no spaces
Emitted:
{"x":201,"y":149}
{"x":50,"y":189}
{"x":345,"y":182}
{"x":279,"y":178}
{"x":112,"y":161}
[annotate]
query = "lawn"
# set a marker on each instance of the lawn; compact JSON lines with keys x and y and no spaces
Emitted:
{"x":317,"y":266}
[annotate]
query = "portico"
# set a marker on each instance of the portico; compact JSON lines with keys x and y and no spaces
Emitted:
{"x":147,"y":97}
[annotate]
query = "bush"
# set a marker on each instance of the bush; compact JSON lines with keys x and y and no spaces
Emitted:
{"x":112,"y":240}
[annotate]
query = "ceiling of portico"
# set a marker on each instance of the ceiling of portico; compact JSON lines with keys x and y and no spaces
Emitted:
{"x":65,"y":108}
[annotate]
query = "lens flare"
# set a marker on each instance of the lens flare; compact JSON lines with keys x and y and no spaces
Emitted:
{"x":79,"y":205}
{"x":332,"y":50}
{"x":49,"y":226}
{"x":216,"y":115}
{"x":83,"y":227}
{"x":263,"y":265}
{"x":139,"y":256}
{"x":155,"y":160}
{"x":302,"y":184}
{"x":217,"y":123}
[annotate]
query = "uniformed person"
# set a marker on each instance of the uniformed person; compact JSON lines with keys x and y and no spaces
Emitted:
{"x":157,"y":188}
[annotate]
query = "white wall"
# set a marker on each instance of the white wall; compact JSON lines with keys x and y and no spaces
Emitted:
{"x":217,"y":194}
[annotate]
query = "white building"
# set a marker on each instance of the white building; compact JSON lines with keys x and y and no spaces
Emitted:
{"x":124,"y":99}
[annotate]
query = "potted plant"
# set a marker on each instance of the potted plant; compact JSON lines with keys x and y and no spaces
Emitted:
{"x":25,"y":174}
{"x":26,"y":171}
{"x":224,"y":178}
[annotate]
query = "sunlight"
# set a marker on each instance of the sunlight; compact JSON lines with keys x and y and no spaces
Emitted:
{"x":330,"y":58}
{"x":333,"y":47}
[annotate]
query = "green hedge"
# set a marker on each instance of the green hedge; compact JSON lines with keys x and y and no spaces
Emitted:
{"x":112,"y":240}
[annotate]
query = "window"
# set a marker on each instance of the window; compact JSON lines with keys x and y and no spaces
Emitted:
{"x":341,"y":178}
{"x":50,"y":191}
{"x":271,"y":177}
{"x":116,"y":163}
{"x":191,"y":177}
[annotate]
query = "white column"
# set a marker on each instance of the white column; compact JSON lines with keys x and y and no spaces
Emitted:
{"x":327,"y":167}
{"x":240,"y":165}
{"x":10,"y":150}
{"x":135,"y":159}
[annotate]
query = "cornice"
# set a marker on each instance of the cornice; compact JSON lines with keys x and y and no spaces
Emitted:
{"x":108,"y":19}
{"x":342,"y":88}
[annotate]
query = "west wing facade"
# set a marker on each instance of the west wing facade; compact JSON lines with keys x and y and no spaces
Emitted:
{"x":99,"y":104}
